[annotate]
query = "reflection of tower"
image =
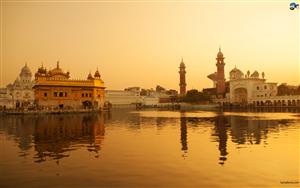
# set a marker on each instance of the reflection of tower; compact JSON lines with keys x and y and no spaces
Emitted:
{"x":183,"y":135}
{"x":220,"y":85}
{"x":220,"y":131}
{"x":182,"y":83}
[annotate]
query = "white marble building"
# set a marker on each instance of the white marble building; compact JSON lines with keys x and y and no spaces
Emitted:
{"x":122,"y":97}
{"x":19,"y":93}
{"x":131,"y":96}
{"x":245,"y":88}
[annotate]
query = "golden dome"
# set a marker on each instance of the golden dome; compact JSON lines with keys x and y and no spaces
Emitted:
{"x":58,"y":72}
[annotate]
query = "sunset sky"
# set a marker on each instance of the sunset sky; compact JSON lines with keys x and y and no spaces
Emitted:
{"x":141,"y":43}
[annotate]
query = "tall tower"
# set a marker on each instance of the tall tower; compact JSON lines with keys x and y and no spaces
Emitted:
{"x":220,"y":85}
{"x":182,"y":83}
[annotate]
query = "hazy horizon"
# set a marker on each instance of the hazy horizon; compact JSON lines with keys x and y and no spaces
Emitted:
{"x":141,"y":43}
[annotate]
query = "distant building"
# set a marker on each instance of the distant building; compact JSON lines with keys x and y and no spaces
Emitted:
{"x":285,"y":89}
{"x":182,"y":81}
{"x":135,"y":95}
{"x":55,"y":89}
{"x":126,"y":97}
{"x":20,"y":93}
{"x":246,"y":88}
{"x":240,"y":89}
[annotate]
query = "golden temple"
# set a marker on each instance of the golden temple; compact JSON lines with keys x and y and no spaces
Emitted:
{"x":55,"y":90}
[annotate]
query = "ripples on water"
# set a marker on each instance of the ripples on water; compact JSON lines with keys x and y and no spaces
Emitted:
{"x":150,"y":148}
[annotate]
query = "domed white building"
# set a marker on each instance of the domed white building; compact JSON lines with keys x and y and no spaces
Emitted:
{"x":20,"y":93}
{"x":240,"y":88}
{"x":244,"y":88}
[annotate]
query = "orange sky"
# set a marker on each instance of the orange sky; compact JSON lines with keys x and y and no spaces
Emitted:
{"x":141,"y":43}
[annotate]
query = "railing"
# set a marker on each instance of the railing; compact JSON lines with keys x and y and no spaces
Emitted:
{"x":51,"y":111}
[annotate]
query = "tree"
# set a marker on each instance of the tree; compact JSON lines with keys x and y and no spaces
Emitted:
{"x":194,"y":95}
{"x":143,"y":92}
{"x":159,"y":88}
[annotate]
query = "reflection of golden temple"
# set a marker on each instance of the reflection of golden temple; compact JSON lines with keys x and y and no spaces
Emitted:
{"x":66,"y":133}
{"x":54,"y":89}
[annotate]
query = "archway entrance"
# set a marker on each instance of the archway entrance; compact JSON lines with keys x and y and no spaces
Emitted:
{"x":87,"y":104}
{"x":240,"y":95}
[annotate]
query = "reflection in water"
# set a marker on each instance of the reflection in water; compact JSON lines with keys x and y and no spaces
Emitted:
{"x":62,"y":134}
{"x":243,"y":130}
{"x":53,"y":136}
{"x":183,"y":134}
{"x":139,"y":150}
{"x":252,"y":131}
{"x":221,"y":132}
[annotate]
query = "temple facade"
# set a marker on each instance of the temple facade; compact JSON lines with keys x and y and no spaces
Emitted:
{"x":18,"y":94}
{"x":54,"y":89}
{"x":249,"y":87}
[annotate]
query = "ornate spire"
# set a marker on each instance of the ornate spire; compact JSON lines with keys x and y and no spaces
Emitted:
{"x":90,"y":77}
{"x":182,"y":65}
{"x":97,"y":74}
{"x":57,"y":64}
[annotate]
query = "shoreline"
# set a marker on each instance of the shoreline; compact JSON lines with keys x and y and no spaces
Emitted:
{"x":41,"y":112}
{"x":177,"y":106}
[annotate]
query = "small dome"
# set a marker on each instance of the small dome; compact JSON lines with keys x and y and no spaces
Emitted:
{"x":220,"y":54}
{"x":90,"y":77}
{"x":42,"y":70}
{"x":58,"y":72}
{"x":97,"y":74}
{"x":25,"y":71}
{"x":255,"y":74}
{"x":236,"y":74}
{"x":182,"y":65}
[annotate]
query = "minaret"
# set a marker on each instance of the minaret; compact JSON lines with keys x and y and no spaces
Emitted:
{"x":182,"y":83}
{"x":220,"y":73}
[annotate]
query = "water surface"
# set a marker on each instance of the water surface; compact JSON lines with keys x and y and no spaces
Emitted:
{"x":150,"y":149}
